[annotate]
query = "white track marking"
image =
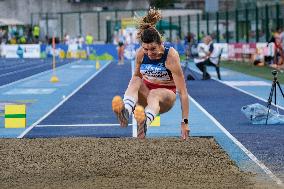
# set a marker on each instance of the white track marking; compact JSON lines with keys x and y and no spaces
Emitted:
{"x":247,"y":83}
{"x":134,"y":123}
{"x":22,"y":70}
{"x":250,"y":94}
{"x":32,"y":76}
{"x":243,"y":91}
{"x":246,"y":151}
{"x":60,"y":103}
{"x":83,"y":125}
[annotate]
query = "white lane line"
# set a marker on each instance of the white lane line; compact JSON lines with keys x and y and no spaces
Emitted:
{"x":83,"y":125}
{"x":34,"y":76}
{"x":22,"y":70}
{"x":243,"y":91}
{"x":246,"y":151}
{"x":60,"y":103}
{"x":134,"y":122}
{"x":247,"y":83}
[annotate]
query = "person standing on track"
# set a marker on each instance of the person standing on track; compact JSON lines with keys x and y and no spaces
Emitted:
{"x":120,"y":48}
{"x":157,"y":77}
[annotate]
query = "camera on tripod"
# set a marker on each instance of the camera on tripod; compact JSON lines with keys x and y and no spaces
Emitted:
{"x":275,"y":84}
{"x":274,"y":72}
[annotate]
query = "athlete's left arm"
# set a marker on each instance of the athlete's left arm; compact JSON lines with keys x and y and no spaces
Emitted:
{"x":173,"y":64}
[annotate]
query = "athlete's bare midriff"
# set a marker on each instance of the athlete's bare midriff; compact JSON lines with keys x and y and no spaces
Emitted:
{"x":159,"y":82}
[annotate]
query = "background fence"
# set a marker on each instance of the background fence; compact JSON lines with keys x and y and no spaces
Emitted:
{"x":245,"y":25}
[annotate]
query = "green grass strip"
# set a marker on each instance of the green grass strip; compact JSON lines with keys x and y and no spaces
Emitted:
{"x":250,"y":69}
{"x":15,"y":115}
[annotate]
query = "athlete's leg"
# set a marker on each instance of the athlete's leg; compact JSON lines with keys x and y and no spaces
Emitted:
{"x":158,"y":101}
{"x":136,"y":88}
{"x":122,"y":54}
{"x":119,"y":54}
{"x":124,"y":108}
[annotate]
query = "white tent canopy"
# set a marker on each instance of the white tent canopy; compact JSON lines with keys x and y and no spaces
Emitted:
{"x":10,"y":21}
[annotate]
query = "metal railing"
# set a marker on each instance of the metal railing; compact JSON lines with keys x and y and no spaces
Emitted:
{"x":246,"y":25}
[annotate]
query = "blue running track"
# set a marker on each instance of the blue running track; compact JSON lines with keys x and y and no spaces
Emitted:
{"x":80,"y":105}
{"x":15,"y":69}
{"x":88,"y":112}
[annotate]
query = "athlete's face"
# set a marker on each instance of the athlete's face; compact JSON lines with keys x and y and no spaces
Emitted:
{"x":152,"y":50}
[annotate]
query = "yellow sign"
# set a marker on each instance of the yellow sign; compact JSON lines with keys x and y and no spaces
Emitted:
{"x":127,"y":22}
{"x":98,"y":65}
{"x":157,"y":121}
{"x":15,"y":116}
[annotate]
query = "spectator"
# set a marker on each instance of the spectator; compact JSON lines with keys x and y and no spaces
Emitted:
{"x":80,"y":41}
{"x":279,"y":54}
{"x":23,"y":40}
{"x":281,"y":36}
{"x":89,"y":39}
{"x":36,"y":33}
{"x":190,"y":46}
{"x":30,"y":35}
{"x":120,"y":48}
{"x":66,"y":39}
{"x":269,"y":55}
{"x":2,"y":35}
{"x":206,"y":57}
{"x":257,"y":58}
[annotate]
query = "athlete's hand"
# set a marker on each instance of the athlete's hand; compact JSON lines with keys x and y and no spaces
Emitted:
{"x":184,"y":131}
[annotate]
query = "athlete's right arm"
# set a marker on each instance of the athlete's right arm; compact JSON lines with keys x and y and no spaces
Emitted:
{"x":138,"y":61}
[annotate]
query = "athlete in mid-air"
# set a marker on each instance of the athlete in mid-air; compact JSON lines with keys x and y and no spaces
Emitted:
{"x":158,"y":76}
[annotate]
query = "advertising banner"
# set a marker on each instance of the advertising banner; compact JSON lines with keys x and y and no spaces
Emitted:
{"x":92,"y":52}
{"x":21,"y":51}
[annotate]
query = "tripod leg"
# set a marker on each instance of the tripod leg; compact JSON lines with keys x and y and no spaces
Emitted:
{"x":275,"y":95}
{"x":270,"y":94}
{"x":270,"y":100}
{"x":280,"y":88}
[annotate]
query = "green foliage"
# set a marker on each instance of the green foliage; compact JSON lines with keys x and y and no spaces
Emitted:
{"x":105,"y":56}
{"x":92,"y":57}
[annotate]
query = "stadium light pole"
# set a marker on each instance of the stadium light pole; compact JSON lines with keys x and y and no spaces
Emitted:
{"x":207,"y":23}
{"x":227,"y":26}
{"x":108,"y":29}
{"x":266,"y":23}
{"x":198,"y":35}
{"x":46,"y":23}
{"x":256,"y":25}
{"x":277,"y":15}
{"x":247,"y":25}
{"x":61,"y":25}
{"x":217,"y":27}
{"x":236,"y":25}
{"x":188,"y":23}
{"x":80,"y":23}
